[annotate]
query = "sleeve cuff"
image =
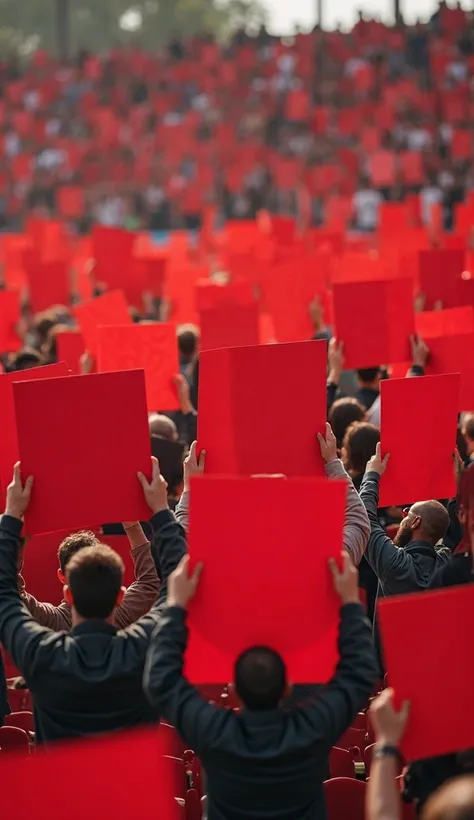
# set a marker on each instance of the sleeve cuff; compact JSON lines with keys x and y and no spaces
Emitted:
{"x":373,"y":476}
{"x":335,"y":469}
{"x":160,"y":519}
{"x":417,"y":370}
{"x":178,"y":613}
{"x":12,"y":525}
{"x":348,"y":610}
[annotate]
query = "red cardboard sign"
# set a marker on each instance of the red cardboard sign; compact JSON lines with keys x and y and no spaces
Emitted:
{"x":434,"y":323}
{"x":113,"y":249}
{"x":414,"y":411}
{"x":229,"y":325}
{"x":48,"y":282}
{"x":70,"y":347}
{"x":375,"y":321}
{"x":9,"y":318}
{"x":126,"y":758}
{"x":84,"y":466}
{"x":152,"y":347}
{"x":109,"y":309}
{"x":252,"y":569}
{"x":426,"y":660}
{"x":9,"y":453}
{"x":439,"y":273}
{"x":244,"y":387}
{"x":453,"y":354}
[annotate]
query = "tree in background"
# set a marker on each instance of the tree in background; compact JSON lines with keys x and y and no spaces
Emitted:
{"x":98,"y":24}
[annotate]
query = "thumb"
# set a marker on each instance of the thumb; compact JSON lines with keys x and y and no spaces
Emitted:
{"x":405,"y":710}
{"x":197,"y":573}
{"x":202,"y":459}
{"x":192,"y":451}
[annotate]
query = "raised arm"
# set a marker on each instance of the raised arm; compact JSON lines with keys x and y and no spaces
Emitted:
{"x":383,"y":797}
{"x":19,"y":632}
{"x":199,"y":723}
{"x":336,"y":706}
{"x":143,"y":593}
{"x":192,"y":466}
{"x":335,"y":365}
{"x":356,"y":525}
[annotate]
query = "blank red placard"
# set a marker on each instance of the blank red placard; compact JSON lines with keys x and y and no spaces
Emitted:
{"x":413,"y":412}
{"x":375,"y":321}
{"x":126,"y":758}
{"x":94,"y":438}
{"x":260,"y":409}
{"x":229,"y":326}
{"x":439,"y":274}
{"x":152,"y":347}
{"x":109,"y":309}
{"x":453,"y":354}
{"x":70,"y":347}
{"x":48,"y":282}
{"x":9,"y":453}
{"x":245,"y":597}
{"x":9,"y":318}
{"x":430,"y":663}
{"x":434,"y":323}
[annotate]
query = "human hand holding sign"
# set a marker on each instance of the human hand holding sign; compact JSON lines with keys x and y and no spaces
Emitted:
{"x":18,"y":494}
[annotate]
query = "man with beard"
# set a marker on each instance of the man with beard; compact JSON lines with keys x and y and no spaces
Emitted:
{"x":409,"y":562}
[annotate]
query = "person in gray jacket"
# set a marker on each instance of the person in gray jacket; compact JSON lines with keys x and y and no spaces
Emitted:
{"x":356,"y":525}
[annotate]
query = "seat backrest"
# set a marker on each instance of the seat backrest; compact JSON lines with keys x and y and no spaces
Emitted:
{"x":174,"y":745}
{"x":13,"y":739}
{"x":341,"y":763}
{"x":22,"y":720}
{"x":345,"y":798}
{"x":352,"y":739}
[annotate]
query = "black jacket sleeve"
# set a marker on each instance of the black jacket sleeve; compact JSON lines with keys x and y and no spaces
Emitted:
{"x":168,"y":547}
{"x":20,"y":634}
{"x":168,"y":690}
{"x":335,"y":708}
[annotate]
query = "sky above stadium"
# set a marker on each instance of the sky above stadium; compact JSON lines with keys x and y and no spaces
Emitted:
{"x":285,"y":13}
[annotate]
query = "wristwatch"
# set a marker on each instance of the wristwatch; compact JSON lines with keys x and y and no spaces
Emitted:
{"x":386,"y":750}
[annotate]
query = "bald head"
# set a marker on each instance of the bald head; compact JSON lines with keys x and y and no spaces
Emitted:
{"x":453,"y":801}
{"x":434,"y":520}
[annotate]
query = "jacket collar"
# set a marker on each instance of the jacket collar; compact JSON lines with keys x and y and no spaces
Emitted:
{"x":94,"y":626}
{"x":416,"y":546}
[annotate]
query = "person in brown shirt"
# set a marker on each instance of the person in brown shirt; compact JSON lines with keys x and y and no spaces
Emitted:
{"x":138,"y":599}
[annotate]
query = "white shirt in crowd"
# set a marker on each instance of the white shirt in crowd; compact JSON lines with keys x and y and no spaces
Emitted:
{"x":366,"y":204}
{"x":11,"y":144}
{"x":418,"y":138}
{"x":431,"y":195}
{"x":111,"y":211}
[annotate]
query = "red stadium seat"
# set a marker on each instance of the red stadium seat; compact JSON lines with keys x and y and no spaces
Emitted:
{"x":354,"y":740}
{"x":345,"y":799}
{"x":14,"y":740}
{"x":341,"y":763}
{"x":174,"y":744}
{"x":22,"y":720}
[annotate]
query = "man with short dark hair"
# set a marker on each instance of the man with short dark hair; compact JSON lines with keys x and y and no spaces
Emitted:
{"x":369,"y":385}
{"x":89,"y":680}
{"x":264,"y":761}
{"x":137,"y":600}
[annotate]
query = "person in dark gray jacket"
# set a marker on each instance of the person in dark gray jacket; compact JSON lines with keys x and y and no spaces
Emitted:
{"x":409,"y":562}
{"x":264,"y":761}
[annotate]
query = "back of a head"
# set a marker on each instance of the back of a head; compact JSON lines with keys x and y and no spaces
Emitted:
{"x":188,"y":339}
{"x":260,"y":678}
{"x":367,"y":375}
{"x":468,"y":426}
{"x":453,"y":801}
{"x":162,"y":426}
{"x":25,"y":359}
{"x":360,"y":443}
{"x":342,"y":413}
{"x":434,"y":519}
{"x":95,"y":576}
{"x":73,"y":543}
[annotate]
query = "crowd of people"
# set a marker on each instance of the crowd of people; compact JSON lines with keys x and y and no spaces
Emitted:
{"x":145,"y":142}
{"x":326,"y":124}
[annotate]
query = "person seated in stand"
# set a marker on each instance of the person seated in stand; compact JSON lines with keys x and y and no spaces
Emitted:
{"x":188,"y":347}
{"x":467,"y":430}
{"x":369,"y":379}
{"x":163,"y":426}
{"x":89,"y":680}
{"x":138,"y":598}
{"x":264,"y":761}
